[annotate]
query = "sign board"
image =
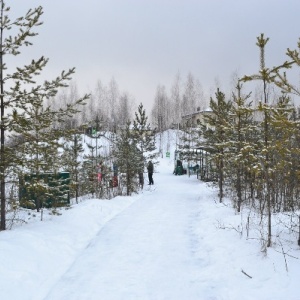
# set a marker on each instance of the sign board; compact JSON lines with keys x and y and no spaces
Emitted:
{"x":167,"y":154}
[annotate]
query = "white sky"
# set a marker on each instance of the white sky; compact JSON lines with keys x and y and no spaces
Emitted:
{"x":143,"y":43}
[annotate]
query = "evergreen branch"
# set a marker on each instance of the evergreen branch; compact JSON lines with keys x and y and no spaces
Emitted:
{"x":11,"y":44}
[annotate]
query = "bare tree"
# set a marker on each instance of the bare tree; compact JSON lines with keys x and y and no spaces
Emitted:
{"x":160,"y":110}
{"x":101,"y":104}
{"x":175,"y":99}
{"x":188,"y":104}
{"x":125,"y":108}
{"x":112,"y":98}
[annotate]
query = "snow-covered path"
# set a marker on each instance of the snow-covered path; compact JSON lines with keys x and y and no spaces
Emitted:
{"x":146,"y":252}
{"x":172,"y":242}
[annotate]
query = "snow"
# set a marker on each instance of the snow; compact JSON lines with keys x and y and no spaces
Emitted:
{"x":171,"y":241}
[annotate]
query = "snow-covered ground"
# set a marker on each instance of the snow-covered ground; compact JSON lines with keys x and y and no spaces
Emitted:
{"x":172,"y":241}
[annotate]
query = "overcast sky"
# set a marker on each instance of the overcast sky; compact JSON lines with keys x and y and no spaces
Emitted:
{"x":144,"y":43}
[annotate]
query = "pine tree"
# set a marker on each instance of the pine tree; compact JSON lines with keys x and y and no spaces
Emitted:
{"x":17,"y":101}
{"x":266,"y":76}
{"x":284,"y":156}
{"x":241,"y":144}
{"x":144,"y":139}
{"x":218,"y":137}
{"x":280,"y":79}
{"x":39,"y":147}
{"x":128,"y":159}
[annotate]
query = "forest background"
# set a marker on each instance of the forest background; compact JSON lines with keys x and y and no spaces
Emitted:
{"x":254,"y":136}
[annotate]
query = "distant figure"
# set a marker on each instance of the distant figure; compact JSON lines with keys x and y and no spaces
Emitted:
{"x":115,"y":169}
{"x":150,"y":172}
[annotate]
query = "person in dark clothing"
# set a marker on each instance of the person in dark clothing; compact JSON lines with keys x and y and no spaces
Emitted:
{"x":150,"y":172}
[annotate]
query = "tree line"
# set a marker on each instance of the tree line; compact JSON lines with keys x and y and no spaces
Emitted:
{"x":255,"y":140}
{"x":109,"y":107}
{"x":41,"y":126}
{"x":184,"y":97}
{"x":106,"y":107}
{"x":256,"y":144}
